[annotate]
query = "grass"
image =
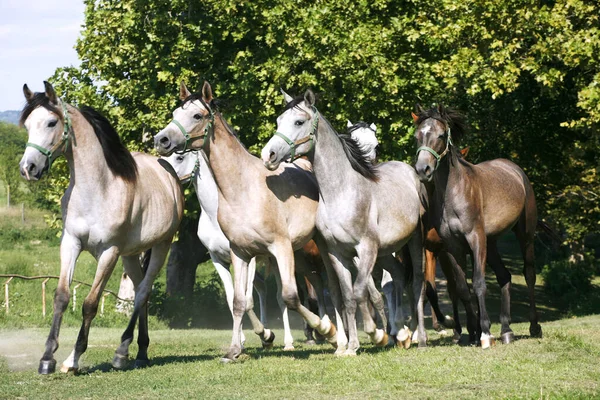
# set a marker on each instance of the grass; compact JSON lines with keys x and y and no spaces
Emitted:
{"x":185,"y":364}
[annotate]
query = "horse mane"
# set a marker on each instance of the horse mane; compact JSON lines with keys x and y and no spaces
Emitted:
{"x":358,"y":158}
{"x":39,"y":100}
{"x":359,"y":125}
{"x":119,"y":159}
{"x":449,"y":116}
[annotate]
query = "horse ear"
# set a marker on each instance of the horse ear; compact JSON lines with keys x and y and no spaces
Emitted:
{"x":286,"y":96}
{"x":440,"y":109}
{"x":349,"y":124}
{"x":309,"y":98}
{"x":464,"y":152}
{"x":28,"y":93}
{"x":50,"y":93}
{"x":373,"y":127}
{"x":184,"y":93}
{"x":415,"y":117}
{"x":419,"y":108}
{"x":207,"y":94}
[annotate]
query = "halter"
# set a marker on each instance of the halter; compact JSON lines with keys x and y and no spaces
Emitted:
{"x":438,"y":157}
{"x":310,"y":137}
{"x":191,"y":137}
{"x":192,"y":174}
{"x":49,"y":153}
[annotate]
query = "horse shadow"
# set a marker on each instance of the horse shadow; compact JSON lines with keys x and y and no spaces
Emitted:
{"x":106,"y":367}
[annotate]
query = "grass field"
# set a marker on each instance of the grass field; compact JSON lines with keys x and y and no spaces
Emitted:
{"x":185,"y":363}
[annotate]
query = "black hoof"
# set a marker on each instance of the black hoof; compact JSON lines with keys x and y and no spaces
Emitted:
{"x":268,"y":343}
{"x":47,"y":367}
{"x":139,"y":364}
{"x":535,"y":331}
{"x":508,"y":337}
{"x":119,"y":361}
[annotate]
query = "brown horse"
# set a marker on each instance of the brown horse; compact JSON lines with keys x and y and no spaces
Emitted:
{"x":471,"y":206}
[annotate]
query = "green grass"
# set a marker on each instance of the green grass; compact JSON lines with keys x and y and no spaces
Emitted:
{"x":185,"y":364}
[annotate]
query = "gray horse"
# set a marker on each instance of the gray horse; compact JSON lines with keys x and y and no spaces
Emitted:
{"x":116,"y":204}
{"x":365,"y":211}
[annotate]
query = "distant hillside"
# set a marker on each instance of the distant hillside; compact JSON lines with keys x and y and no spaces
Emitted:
{"x":11,"y":116}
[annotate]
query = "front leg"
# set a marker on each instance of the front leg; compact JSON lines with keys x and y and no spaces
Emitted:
{"x":70,"y":248}
{"x":240,"y":283}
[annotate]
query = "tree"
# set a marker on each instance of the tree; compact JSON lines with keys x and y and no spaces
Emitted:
{"x":13,"y":141}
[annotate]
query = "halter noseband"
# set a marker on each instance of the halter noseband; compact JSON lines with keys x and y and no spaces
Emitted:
{"x":310,"y":137}
{"x":438,"y":157}
{"x":191,"y":137}
{"x":49,"y":153}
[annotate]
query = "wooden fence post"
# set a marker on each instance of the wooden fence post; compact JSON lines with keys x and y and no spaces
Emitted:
{"x":102,"y":304}
{"x":75,"y":296}
{"x":6,"y":299}
{"x":44,"y":297}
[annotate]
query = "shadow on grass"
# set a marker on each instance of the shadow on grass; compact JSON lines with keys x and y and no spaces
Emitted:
{"x":154,"y":362}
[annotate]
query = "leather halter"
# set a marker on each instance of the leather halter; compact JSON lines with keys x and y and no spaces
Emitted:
{"x":438,"y":157}
{"x":311,"y":137}
{"x":192,"y":137}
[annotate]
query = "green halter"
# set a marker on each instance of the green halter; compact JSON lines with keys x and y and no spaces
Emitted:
{"x":310,"y":137}
{"x":438,"y":157}
{"x":191,"y":175}
{"x":191,"y":137}
{"x":64,"y":142}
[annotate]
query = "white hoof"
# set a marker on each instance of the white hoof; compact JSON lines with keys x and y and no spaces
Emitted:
{"x":289,"y":347}
{"x":487,"y":341}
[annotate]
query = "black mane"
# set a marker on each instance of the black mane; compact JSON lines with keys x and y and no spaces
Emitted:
{"x":357,"y":157}
{"x":450,"y":117}
{"x":119,"y":159}
{"x":39,"y":100}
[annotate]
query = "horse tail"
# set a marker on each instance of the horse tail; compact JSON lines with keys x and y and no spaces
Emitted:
{"x":544,"y":227}
{"x":146,"y":260}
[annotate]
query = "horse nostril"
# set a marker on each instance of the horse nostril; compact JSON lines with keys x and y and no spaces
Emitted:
{"x":272,"y":156}
{"x":30,"y":168}
{"x":164,"y":140}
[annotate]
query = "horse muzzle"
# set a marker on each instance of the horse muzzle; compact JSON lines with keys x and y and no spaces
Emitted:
{"x":163,"y":144}
{"x":31,"y":171}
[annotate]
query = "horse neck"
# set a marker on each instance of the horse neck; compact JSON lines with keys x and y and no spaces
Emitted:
{"x":448,"y":174}
{"x":85,"y":157}
{"x":331,"y":166}
{"x":229,"y":161}
{"x":206,"y":188}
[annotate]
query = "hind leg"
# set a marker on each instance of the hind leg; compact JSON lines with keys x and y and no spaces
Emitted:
{"x":288,"y":340}
{"x":458,"y":262}
{"x":106,"y":263}
{"x":452,"y":292}
{"x":503,"y":277}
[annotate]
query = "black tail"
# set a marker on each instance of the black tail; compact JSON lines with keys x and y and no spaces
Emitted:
{"x":544,"y":227}
{"x":146,"y":260}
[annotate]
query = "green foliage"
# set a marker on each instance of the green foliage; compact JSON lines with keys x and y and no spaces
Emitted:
{"x":525,"y":72}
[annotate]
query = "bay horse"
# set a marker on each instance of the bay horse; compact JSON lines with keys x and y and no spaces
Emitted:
{"x":364,"y":211}
{"x":471,"y":206}
{"x":260,"y":212}
{"x":116,"y":204}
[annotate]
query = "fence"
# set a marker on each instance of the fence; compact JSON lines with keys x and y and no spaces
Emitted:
{"x":46,"y":278}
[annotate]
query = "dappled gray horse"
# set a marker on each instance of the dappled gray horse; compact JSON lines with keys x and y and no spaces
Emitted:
{"x":116,"y":204}
{"x":365,"y":211}
{"x":261,"y":212}
{"x":471,"y":206}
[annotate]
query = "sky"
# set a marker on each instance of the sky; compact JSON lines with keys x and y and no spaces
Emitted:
{"x":36,"y":37}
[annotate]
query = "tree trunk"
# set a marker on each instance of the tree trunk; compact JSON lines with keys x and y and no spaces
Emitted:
{"x":186,"y":253}
{"x":126,"y":292}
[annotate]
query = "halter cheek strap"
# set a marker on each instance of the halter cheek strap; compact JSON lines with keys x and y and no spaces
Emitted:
{"x":438,"y":157}
{"x":191,"y":137}
{"x":64,"y":142}
{"x":191,"y":175}
{"x":310,"y":138}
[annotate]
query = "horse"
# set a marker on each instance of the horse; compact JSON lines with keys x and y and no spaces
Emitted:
{"x":364,"y":211}
{"x":192,"y":166}
{"x":471,"y":206}
{"x":260,"y":212}
{"x":116,"y":204}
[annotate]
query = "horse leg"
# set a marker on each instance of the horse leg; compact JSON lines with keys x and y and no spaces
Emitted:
{"x":315,"y":292}
{"x":446,"y":265}
{"x":222,"y":267}
{"x":458,"y":261}
{"x":377,"y":301}
{"x":396,"y":268}
{"x":240,"y":272}
{"x":261,"y":290}
{"x":437,"y":316}
{"x":478,"y":243}
{"x":70,"y":248}
{"x":389,"y":292}
{"x":417,"y":256}
{"x":288,"y":340}
{"x":525,"y":231}
{"x":106,"y":263}
{"x":266,"y":335}
{"x":503,"y":277}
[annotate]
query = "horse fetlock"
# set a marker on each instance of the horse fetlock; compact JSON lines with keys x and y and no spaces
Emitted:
{"x":403,"y":339}
{"x":47,"y":367}
{"x":267,"y":342}
{"x":380,"y":338}
{"x":535,"y":330}
{"x":487,"y":341}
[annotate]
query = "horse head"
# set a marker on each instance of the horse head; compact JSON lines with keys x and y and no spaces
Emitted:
{"x":48,"y":126}
{"x":296,"y":128}
{"x":191,"y":122}
{"x":364,"y":135}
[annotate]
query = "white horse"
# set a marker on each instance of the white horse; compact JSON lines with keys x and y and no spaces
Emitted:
{"x":116,"y":204}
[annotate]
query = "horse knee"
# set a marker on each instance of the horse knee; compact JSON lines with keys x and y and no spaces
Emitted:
{"x":61,"y":300}
{"x":290,"y":298}
{"x":90,"y":308}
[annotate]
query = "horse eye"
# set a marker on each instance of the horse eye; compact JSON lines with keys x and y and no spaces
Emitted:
{"x":198,"y":116}
{"x":299,"y":123}
{"x":180,"y":158}
{"x":52,"y":124}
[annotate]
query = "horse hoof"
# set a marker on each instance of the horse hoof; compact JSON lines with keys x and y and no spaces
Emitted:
{"x":487,"y":341}
{"x":449,"y":322}
{"x":349,"y":353}
{"x":535,"y":331}
{"x":140,"y":364}
{"x":47,"y":367}
{"x":226,"y":360}
{"x":289,"y":348}
{"x":65,"y":369}
{"x":443,"y":333}
{"x":267,"y":344}
{"x":310,"y":342}
{"x":120,"y":361}
{"x":380,"y":339}
{"x":456,"y":338}
{"x":508,"y":337}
